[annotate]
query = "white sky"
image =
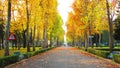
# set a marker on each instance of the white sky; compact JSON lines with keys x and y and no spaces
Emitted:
{"x":64,"y":6}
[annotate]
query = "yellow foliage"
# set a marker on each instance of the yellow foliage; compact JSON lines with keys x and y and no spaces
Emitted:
{"x":87,"y":15}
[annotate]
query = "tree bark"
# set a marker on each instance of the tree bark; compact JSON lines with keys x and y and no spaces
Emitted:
{"x":86,"y":40}
{"x":24,"y":38}
{"x":34,"y":36}
{"x":27,"y":15}
{"x":110,"y":28}
{"x":45,"y":41}
{"x":90,"y":38}
{"x":100,"y":40}
{"x":18,"y":40}
{"x":0,"y":44}
{"x":3,"y":42}
{"x":57,"y":41}
{"x":73,"y":41}
{"x":50,"y":39}
{"x":80,"y":42}
{"x":6,"y":46}
{"x":38,"y":39}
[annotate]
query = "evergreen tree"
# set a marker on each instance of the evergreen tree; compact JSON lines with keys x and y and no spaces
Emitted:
{"x":117,"y":29}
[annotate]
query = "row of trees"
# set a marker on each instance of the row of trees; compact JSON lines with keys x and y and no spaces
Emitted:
{"x":89,"y":19}
{"x":30,"y":21}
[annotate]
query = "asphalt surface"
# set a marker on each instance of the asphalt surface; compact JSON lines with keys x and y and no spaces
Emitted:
{"x":64,"y":57}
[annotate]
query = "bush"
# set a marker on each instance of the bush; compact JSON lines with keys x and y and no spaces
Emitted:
{"x":107,"y":49}
{"x":82,"y":48}
{"x":91,"y":51}
{"x":35,"y":53}
{"x":8,"y":60}
{"x":1,"y":64}
{"x":103,"y":54}
{"x":30,"y":54}
{"x":116,"y":58}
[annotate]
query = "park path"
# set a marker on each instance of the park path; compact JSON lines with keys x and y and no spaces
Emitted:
{"x":64,"y":57}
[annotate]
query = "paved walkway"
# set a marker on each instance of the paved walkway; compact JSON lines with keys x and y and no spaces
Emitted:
{"x":64,"y":57}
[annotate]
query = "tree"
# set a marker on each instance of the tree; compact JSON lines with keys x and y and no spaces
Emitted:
{"x":1,"y":34}
{"x":117,"y":29}
{"x":56,"y":31}
{"x":36,"y":16}
{"x":27,"y":25}
{"x":110,"y":22}
{"x":47,"y":17}
{"x":6,"y":46}
{"x":1,"y":25}
{"x":88,"y":18}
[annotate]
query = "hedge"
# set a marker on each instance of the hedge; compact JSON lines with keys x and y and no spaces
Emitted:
{"x":7,"y":60}
{"x":30,"y":54}
{"x":82,"y":48}
{"x":103,"y":54}
{"x":116,"y":58}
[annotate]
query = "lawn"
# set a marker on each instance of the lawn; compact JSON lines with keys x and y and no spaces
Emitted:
{"x":116,"y":48}
{"x":22,"y":50}
{"x":105,"y":48}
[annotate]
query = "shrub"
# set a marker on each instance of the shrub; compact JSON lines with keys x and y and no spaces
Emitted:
{"x":91,"y":51}
{"x":35,"y":53}
{"x":116,"y":58}
{"x":28,"y":54}
{"x":1,"y":62}
{"x":101,"y":53}
{"x":8,"y":60}
{"x":82,"y":48}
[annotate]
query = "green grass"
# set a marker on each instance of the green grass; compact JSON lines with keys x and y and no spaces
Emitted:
{"x":106,"y":47}
{"x":11,"y":51}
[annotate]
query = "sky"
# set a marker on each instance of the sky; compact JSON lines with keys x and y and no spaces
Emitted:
{"x":64,"y":6}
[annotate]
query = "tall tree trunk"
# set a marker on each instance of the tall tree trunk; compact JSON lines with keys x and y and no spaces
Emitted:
{"x":110,"y":28}
{"x":6,"y":46}
{"x":18,"y":40}
{"x":31,"y":39}
{"x":100,"y":39}
{"x":73,"y":42}
{"x":90,"y":37}
{"x":27,"y":15}
{"x":2,"y":42}
{"x":50,"y":39}
{"x":44,"y":36}
{"x":57,"y":41}
{"x":34,"y":36}
{"x":18,"y":43}
{"x":24,"y":39}
{"x":38,"y":39}
{"x":45,"y":44}
{"x":86,"y":40}
{"x":80,"y":42}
